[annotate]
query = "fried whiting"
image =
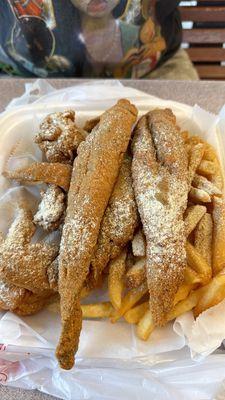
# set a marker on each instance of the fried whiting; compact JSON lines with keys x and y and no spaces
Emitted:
{"x":160,"y":178}
{"x":94,"y":174}
{"x":54,"y":173}
{"x":139,"y":244}
{"x":118,"y":224}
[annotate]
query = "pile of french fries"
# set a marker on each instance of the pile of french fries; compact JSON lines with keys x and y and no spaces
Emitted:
{"x":204,"y":277}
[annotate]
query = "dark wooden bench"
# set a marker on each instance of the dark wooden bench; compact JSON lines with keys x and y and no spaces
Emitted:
{"x":206,"y":38}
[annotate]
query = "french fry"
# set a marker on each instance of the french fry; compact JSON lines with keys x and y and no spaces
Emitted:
{"x":131,"y":298}
{"x":203,"y":183}
{"x":199,"y":195}
{"x":134,"y":315}
{"x":185,"y":135}
{"x":136,"y":275}
{"x":116,"y":279}
{"x":145,"y":326}
{"x":207,"y":168}
{"x":218,"y":256}
{"x":85,"y":292}
{"x":203,"y":237}
{"x":195,"y":157}
{"x":191,"y":277}
{"x":193,"y":140}
{"x":185,"y":305}
{"x":139,"y":244}
{"x":183,"y":292}
{"x":192,"y":217}
{"x":217,"y":177}
{"x":98,"y":310}
{"x":198,"y":263}
{"x":213,"y":294}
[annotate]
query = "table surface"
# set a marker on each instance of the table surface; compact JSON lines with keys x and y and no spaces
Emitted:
{"x":207,"y":94}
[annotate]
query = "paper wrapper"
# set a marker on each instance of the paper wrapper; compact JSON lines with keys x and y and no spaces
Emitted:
{"x":111,"y":362}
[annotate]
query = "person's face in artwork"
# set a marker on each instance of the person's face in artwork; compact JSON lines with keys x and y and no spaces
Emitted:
{"x":96,"y":8}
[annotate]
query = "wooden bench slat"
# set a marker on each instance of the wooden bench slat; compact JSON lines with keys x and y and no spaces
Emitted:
{"x":206,"y":54}
{"x":211,"y":71}
{"x":204,"y":35}
{"x":202,"y":14}
{"x":214,"y":1}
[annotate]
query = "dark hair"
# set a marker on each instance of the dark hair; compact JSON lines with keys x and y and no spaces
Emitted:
{"x":120,"y":8}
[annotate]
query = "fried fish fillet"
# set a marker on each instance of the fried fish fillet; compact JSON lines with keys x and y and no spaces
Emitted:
{"x":54,"y":173}
{"x":118,"y":224}
{"x":95,"y":171}
{"x":160,"y":177}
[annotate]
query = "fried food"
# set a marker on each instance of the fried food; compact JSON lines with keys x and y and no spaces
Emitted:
{"x":203,"y":237}
{"x":51,"y":209}
{"x":207,"y":168}
{"x":139,"y":244}
{"x":59,"y":137}
{"x":134,"y":315}
{"x":199,"y":195}
{"x":218,"y":249}
{"x":98,"y":310}
{"x":196,"y":261}
{"x":195,"y":158}
{"x":95,"y":171}
{"x":34,"y":302}
{"x":192,"y":217}
{"x":53,"y":173}
{"x":129,"y":300}
{"x":160,"y":179}
{"x":118,"y":224}
{"x":203,"y":183}
{"x":185,"y":305}
{"x":22,"y":301}
{"x":136,"y":275}
{"x":117,"y":269}
{"x":191,"y":277}
{"x":24,"y":264}
{"x":145,"y":326}
{"x":183,"y":292}
{"x":217,"y":177}
{"x":213,"y":294}
{"x":91,"y":124}
{"x":11,"y":296}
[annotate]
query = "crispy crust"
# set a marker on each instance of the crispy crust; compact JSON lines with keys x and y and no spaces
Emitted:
{"x":54,"y":173}
{"x":22,"y":301}
{"x":59,"y":137}
{"x":21,"y":263}
{"x":51,"y":210}
{"x":118,"y":224}
{"x":160,"y":176}
{"x":94,"y":174}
